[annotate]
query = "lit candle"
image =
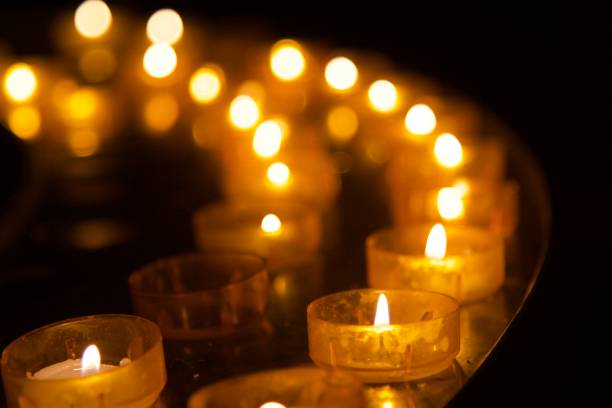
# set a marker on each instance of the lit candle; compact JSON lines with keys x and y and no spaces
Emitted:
{"x":384,"y":336}
{"x":470,"y":268}
{"x":89,"y":364}
{"x":36,"y":372}
{"x":281,"y":232}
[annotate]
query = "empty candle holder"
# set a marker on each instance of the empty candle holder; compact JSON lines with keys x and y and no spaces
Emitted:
{"x":91,"y":362}
{"x":280,"y":232}
{"x":384,"y":336}
{"x":469,"y":266}
{"x":202,"y":295}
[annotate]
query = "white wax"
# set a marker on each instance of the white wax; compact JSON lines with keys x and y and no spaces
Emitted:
{"x":68,"y":369}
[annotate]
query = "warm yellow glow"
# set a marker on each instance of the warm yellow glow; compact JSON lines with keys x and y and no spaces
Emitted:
{"x":205,"y":84}
{"x":278,"y":174}
{"x":20,"y":82}
{"x":90,"y":362}
{"x":342,"y":123}
{"x":463,"y":186}
{"x":436,"y":242}
{"x":93,"y":18}
{"x":272,"y":404}
{"x":388,"y":404}
{"x":244,"y":112}
{"x":161,"y":112}
{"x":268,"y":138}
{"x":287,"y":60}
{"x":382,"y":95}
{"x":341,"y":73}
{"x":83,"y":142}
{"x":159,"y":60}
{"x":97,"y":65}
{"x":83,"y":104}
{"x":448,"y":150}
{"x":381,"y":317}
{"x":165,"y":26}
{"x":271,"y":224}
{"x":254,"y":89}
{"x":450,"y":203}
{"x":24,"y":121}
{"x":420,"y":120}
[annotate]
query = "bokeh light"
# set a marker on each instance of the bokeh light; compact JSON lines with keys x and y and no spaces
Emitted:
{"x":165,"y":26}
{"x":382,"y":96}
{"x":342,"y":123}
{"x":20,"y":82}
{"x":159,"y":60}
{"x":161,"y":112}
{"x":83,"y":104}
{"x":268,"y":138}
{"x":93,"y":18}
{"x":244,"y":112}
{"x":97,"y":65}
{"x":271,"y":224}
{"x":278,"y":173}
{"x":450,"y":203}
{"x":448,"y":150}
{"x":83,"y":142}
{"x":205,"y":84}
{"x":287,"y":60}
{"x":420,"y":120}
{"x":24,"y":121}
{"x":341,"y":74}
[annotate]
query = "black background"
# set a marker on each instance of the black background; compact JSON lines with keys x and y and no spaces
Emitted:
{"x":514,"y":62}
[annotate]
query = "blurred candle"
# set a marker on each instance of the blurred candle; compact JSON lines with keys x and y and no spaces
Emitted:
{"x":287,"y":60}
{"x":165,"y":26}
{"x":93,"y":19}
{"x":20,"y":83}
{"x":244,"y":112}
{"x":206,"y":84}
{"x":420,"y":120}
{"x":341,"y":74}
{"x":159,"y":60}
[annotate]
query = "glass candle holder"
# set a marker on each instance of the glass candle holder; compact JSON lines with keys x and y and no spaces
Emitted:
{"x":132,"y":373}
{"x":279,"y":232}
{"x":202,"y":295}
{"x":473,"y":267}
{"x":490,"y":205}
{"x":291,"y":387}
{"x":419,"y":338}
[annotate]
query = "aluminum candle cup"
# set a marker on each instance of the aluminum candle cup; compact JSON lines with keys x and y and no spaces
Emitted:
{"x":279,"y":232}
{"x":202,"y":295}
{"x":472,"y":268}
{"x":418,"y":336}
{"x":43,"y":368}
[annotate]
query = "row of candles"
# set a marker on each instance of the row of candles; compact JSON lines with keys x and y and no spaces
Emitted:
{"x":279,"y":180}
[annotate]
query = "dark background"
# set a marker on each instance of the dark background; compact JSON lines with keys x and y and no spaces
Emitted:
{"x":510,"y":62}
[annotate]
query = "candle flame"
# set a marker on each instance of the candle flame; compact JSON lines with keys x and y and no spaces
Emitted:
{"x":20,"y":82}
{"x":420,"y":120}
{"x":278,"y":174}
{"x":272,"y":404}
{"x":341,"y":74}
{"x":93,"y":18}
{"x":287,"y":60}
{"x":271,"y":224}
{"x":382,"y":311}
{"x":448,"y":150}
{"x":450,"y":203}
{"x":436,"y":242}
{"x":268,"y":138}
{"x":90,"y":362}
{"x":244,"y":112}
{"x":165,"y":26}
{"x":382,"y":95}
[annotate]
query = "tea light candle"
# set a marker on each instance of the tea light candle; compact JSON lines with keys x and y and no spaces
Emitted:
{"x":384,"y":336}
{"x":202,"y":296}
{"x":279,"y":232}
{"x":36,"y":372}
{"x":470,"y":268}
{"x":489,"y":205}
